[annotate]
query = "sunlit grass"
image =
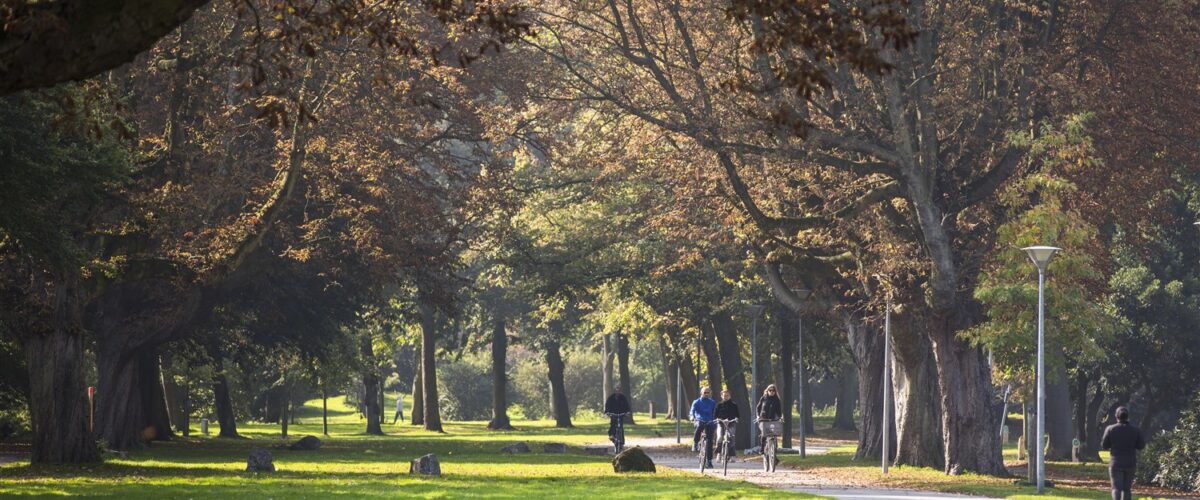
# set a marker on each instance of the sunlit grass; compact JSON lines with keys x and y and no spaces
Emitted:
{"x":840,"y":462}
{"x":353,"y":464}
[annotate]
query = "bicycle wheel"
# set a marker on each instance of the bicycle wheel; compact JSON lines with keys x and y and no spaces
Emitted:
{"x":725,"y":454}
{"x":703,"y":446}
{"x":774,"y":458}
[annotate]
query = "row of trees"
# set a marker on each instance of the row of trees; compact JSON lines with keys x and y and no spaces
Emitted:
{"x":320,"y":186}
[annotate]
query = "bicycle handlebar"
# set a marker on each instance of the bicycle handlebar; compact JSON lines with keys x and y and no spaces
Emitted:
{"x":617,"y":414}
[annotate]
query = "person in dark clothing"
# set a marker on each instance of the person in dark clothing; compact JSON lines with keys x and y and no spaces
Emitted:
{"x":616,"y":404}
{"x":769,"y":408}
{"x":1123,"y":441}
{"x":727,"y":410}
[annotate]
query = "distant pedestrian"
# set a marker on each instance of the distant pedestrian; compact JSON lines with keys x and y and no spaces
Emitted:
{"x":1123,"y":441}
{"x":399,"y":408}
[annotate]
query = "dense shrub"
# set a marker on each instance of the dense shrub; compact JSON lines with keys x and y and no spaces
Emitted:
{"x":465,"y":389}
{"x":1172,"y":459}
{"x":531,"y":385}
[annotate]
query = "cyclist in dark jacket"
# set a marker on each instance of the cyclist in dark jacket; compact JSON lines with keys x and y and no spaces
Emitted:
{"x":769,"y":408}
{"x":616,"y":404}
{"x":1123,"y":440}
{"x":727,"y":410}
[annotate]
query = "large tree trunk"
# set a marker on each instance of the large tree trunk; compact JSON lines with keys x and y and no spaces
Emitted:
{"x":787,"y":344}
{"x":558,"y":389}
{"x":225,"y":415}
{"x":1095,"y":432}
{"x":417,"y":412}
{"x":1082,"y":428}
{"x":867,"y":347}
{"x":972,"y":443}
{"x":623,"y":370}
{"x":58,"y":403}
{"x":606,"y":365}
{"x":708,"y":342}
{"x":499,"y":376}
{"x":669,"y":373}
{"x":735,"y":375}
{"x":130,"y":409}
{"x":918,"y":416}
{"x":433,"y":417}
{"x":691,"y":383}
{"x":1058,"y":413}
{"x":158,"y":417}
{"x":370,"y":379}
{"x":847,"y":399}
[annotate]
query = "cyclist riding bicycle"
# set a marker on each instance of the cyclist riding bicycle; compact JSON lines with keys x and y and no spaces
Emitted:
{"x":769,"y":408}
{"x":616,"y":404}
{"x":702,"y":414}
{"x":727,"y":410}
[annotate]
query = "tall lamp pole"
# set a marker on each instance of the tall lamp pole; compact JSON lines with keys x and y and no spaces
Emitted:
{"x":801,"y":295}
{"x":755,"y":310}
{"x":1040,"y":255}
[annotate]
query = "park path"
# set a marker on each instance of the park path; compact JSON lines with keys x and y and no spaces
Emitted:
{"x":665,"y":452}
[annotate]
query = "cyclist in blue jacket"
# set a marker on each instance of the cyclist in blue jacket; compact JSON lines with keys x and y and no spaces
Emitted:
{"x":702,"y":414}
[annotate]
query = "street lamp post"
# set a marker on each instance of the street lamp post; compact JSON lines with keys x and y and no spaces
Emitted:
{"x":1040,"y":255}
{"x":755,"y":310}
{"x":802,"y":295}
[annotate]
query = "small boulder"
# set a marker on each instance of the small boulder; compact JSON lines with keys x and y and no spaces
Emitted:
{"x":633,"y":460}
{"x":306,"y":443}
{"x":427,"y":465}
{"x":516,"y":448}
{"x":554,"y":448}
{"x":260,"y":460}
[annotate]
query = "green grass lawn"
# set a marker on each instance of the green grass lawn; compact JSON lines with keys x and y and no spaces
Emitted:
{"x":352,"y":464}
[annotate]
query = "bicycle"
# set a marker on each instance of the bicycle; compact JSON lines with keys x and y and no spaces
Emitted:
{"x":618,"y":437}
{"x":703,"y":446}
{"x":725,"y":444}
{"x":771,"y":430}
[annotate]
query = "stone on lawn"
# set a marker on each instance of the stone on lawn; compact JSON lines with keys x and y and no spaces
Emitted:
{"x":306,"y":443}
{"x":516,"y":448}
{"x":427,"y":465}
{"x":633,"y":460}
{"x":554,"y":448}
{"x":260,"y":460}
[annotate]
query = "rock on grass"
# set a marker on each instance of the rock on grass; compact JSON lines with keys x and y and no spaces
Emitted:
{"x":633,"y":460}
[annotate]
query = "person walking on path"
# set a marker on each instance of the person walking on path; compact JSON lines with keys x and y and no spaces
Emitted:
{"x":769,"y":408}
{"x":616,"y":404}
{"x":1123,"y":441}
{"x":399,"y":409}
{"x":702,"y":414}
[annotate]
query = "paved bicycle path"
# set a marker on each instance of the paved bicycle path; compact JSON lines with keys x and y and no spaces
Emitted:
{"x":666,"y":453}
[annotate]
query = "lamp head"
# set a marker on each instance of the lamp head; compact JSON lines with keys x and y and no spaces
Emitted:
{"x":802,"y":293}
{"x":1040,"y":255}
{"x":755,"y":309}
